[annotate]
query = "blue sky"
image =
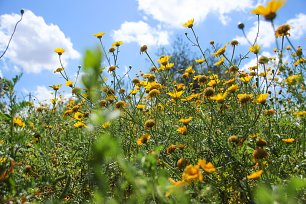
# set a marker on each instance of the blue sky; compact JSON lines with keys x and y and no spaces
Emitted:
{"x":70,"y":24}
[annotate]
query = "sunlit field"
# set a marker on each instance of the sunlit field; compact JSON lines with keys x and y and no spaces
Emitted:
{"x":204,"y":132}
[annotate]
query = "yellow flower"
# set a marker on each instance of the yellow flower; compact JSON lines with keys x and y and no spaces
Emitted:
{"x":19,"y":122}
{"x":78,"y":115}
{"x":200,"y":61}
{"x":192,"y":173}
{"x":59,"y":50}
{"x":299,"y":61}
{"x":208,"y":167}
{"x":153,"y":93}
{"x":189,"y":70}
{"x":255,"y":175}
{"x":3,"y":159}
{"x":219,"y":52}
{"x":180,"y":87}
{"x":143,"y":139}
{"x":140,"y":106}
{"x":293,"y":79}
{"x":153,"y":85}
{"x":99,"y":34}
{"x":269,"y":12}
{"x":69,"y":83}
{"x":220,"y":97}
{"x":173,"y":147}
{"x":220,"y":62}
{"x":177,"y":183}
{"x":233,"y":88}
{"x":185,"y":121}
{"x":56,"y":87}
{"x":176,"y":94}
{"x":166,"y":67}
{"x":282,"y":31}
{"x":261,"y":99}
{"x":189,"y":23}
{"x":117,"y":44}
{"x":121,"y":104}
{"x":246,"y":79}
{"x":288,"y":140}
{"x":149,"y":123}
{"x":230,"y":81}
{"x":255,"y":49}
{"x":243,"y":98}
{"x":134,"y":92}
{"x":67,"y":112}
{"x":270,"y":112}
{"x":106,"y":125}
{"x":300,"y":114}
{"x":59,"y":69}
{"x":163,"y":60}
{"x":79,"y":124}
{"x":182,"y":130}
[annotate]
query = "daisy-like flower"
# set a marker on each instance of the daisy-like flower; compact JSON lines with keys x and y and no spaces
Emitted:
{"x":185,"y":121}
{"x":140,"y":106}
{"x":79,"y":124}
{"x":192,"y":173}
{"x":173,"y":147}
{"x":59,"y":69}
{"x":143,"y":139}
{"x":300,"y":113}
{"x":269,"y":11}
{"x":200,"y":61}
{"x":261,"y":99}
{"x":69,"y":83}
{"x":59,"y":50}
{"x":288,"y":140}
{"x":78,"y":115}
{"x":219,"y":52}
{"x":208,"y":167}
{"x":220,"y":97}
{"x":163,"y":60}
{"x":56,"y":87}
{"x":282,"y":31}
{"x":182,"y":130}
{"x":233,"y":88}
{"x":293,"y":79}
{"x":176,"y":94}
{"x":106,"y":125}
{"x":244,"y":98}
{"x":255,"y":175}
{"x":19,"y":122}
{"x":149,"y":123}
{"x":99,"y":34}
{"x":255,"y":49}
{"x":246,"y":79}
{"x":189,"y":70}
{"x":117,"y":44}
{"x":220,"y":62}
{"x":189,"y":23}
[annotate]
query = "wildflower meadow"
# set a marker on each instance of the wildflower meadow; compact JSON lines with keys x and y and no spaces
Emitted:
{"x":209,"y":132}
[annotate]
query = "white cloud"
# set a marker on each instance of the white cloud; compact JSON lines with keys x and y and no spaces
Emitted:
{"x":266,"y":34}
{"x":176,"y":12}
{"x":265,"y":37}
{"x":298,"y":26}
{"x":141,"y":33}
{"x":33,"y":43}
{"x":43,"y":94}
